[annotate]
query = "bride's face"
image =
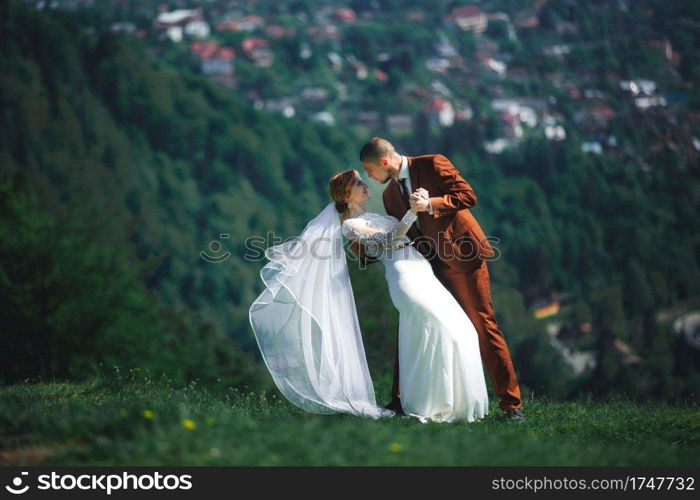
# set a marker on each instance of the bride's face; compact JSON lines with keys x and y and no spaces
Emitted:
{"x":359,"y":193}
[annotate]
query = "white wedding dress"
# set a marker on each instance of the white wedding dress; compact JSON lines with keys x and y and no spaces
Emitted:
{"x":441,"y":377}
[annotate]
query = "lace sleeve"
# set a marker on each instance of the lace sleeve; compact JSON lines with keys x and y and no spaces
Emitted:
{"x":376,"y":240}
{"x":402,"y":227}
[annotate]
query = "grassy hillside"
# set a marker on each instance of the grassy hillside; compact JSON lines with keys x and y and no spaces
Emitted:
{"x":133,"y":420}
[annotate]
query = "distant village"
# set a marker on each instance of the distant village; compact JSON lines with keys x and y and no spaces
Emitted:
{"x":518,"y":116}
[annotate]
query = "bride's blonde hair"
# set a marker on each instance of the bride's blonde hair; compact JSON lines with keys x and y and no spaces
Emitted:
{"x":340,"y":186}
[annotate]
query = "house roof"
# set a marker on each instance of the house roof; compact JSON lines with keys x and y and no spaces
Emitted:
{"x":227,"y":26}
{"x":345,"y":14}
{"x":250,"y":44}
{"x":210,"y":50}
{"x":466,"y":12}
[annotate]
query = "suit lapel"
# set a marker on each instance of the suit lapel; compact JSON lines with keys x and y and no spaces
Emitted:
{"x":412,"y":174}
{"x":394,"y":204}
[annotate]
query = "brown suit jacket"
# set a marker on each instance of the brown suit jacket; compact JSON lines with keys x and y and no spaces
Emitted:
{"x":451,"y":234}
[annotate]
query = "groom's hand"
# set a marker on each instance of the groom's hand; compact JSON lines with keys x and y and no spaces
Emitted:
{"x":419,"y":201}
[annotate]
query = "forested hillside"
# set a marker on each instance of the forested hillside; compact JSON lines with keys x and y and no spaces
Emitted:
{"x":118,"y":170}
{"x":130,"y":161}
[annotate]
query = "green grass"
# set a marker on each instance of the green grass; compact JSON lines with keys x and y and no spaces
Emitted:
{"x":102,"y":422}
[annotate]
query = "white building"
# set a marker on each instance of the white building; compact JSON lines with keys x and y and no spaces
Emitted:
{"x":197,"y":29}
{"x":437,"y":64}
{"x":324,"y":117}
{"x":174,"y":33}
{"x":639,"y":86}
{"x":178,"y":17}
{"x":527,"y":116}
{"x":555,"y":132}
{"x":649,"y":102}
{"x":498,"y":67}
{"x":180,"y":22}
{"x":592,"y":147}
{"x":470,"y":17}
{"x":497,"y":146}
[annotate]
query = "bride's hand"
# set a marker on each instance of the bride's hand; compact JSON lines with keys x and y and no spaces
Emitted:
{"x":418,"y":203}
{"x":422,"y":192}
{"x":400,"y":242}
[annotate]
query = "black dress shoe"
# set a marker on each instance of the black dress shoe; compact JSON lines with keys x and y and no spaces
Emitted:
{"x":395,"y":406}
{"x":515,"y":416}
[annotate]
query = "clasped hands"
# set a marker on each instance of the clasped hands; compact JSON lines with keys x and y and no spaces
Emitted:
{"x":419,"y":201}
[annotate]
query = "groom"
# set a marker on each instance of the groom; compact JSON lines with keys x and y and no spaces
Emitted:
{"x":451,"y":239}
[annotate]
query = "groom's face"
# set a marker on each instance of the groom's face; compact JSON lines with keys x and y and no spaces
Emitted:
{"x":378,"y":171}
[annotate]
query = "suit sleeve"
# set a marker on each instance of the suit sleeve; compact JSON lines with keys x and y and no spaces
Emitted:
{"x":458,"y":193}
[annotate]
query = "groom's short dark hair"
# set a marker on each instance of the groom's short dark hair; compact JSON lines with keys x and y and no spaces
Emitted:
{"x":375,"y":149}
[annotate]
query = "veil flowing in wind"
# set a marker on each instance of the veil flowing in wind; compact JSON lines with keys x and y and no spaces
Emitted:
{"x":305,"y":323}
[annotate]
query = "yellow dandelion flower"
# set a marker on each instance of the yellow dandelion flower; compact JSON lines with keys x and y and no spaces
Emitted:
{"x":147,"y":414}
{"x":395,"y":447}
{"x":188,"y":424}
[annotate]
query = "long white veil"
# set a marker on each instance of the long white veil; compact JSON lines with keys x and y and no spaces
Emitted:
{"x":306,"y":326}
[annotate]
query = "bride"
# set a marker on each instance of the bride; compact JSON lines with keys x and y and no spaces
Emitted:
{"x":305,"y":321}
